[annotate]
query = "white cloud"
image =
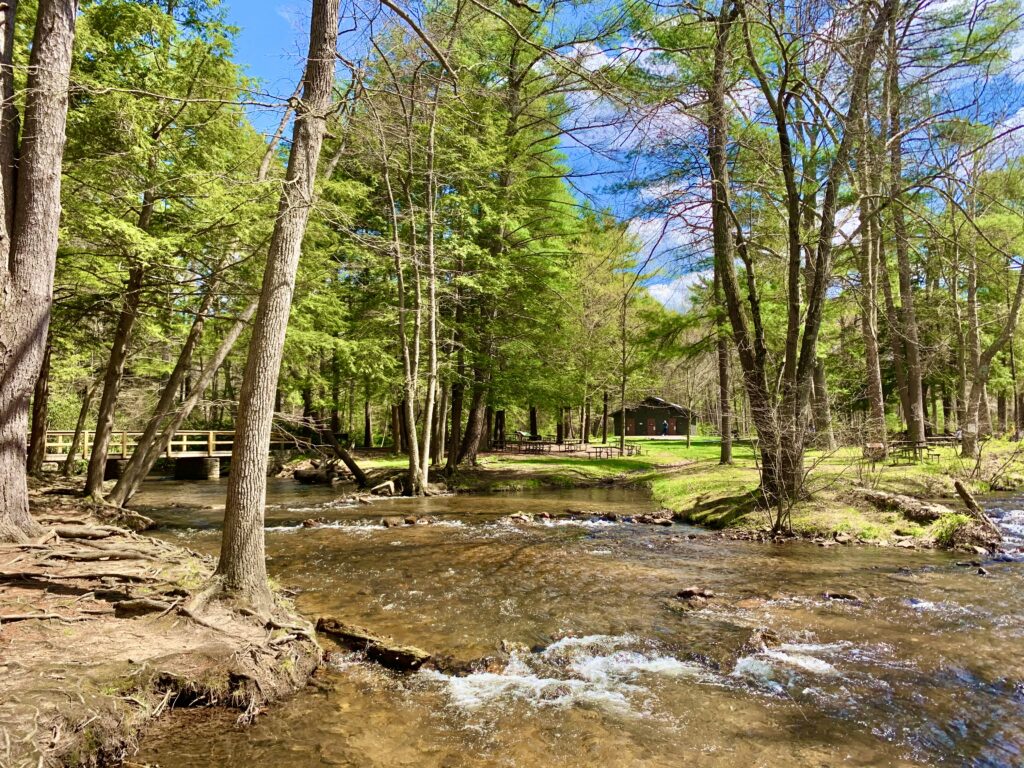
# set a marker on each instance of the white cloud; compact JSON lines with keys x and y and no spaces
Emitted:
{"x":677,"y":294}
{"x":295,"y":18}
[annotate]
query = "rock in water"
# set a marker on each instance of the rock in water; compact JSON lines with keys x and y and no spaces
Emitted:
{"x":657,"y":518}
{"x":383,"y":650}
{"x":847,"y":596}
{"x":691,"y":592}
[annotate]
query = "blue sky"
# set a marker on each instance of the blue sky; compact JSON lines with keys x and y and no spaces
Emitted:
{"x":270,"y":44}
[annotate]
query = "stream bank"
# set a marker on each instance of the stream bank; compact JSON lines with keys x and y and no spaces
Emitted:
{"x":97,"y":641}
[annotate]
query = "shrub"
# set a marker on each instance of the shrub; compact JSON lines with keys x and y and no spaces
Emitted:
{"x":944,"y":529}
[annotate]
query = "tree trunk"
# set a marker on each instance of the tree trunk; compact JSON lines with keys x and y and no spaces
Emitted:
{"x":722,"y":353}
{"x":242,"y":570}
{"x":907,"y":314}
{"x":868,"y":262}
{"x":604,"y":419}
{"x":40,"y":407}
{"x":499,"y":429}
{"x":534,"y":435}
{"x":367,"y":427}
{"x":440,"y":422}
{"x":947,"y":412}
{"x":138,"y":465}
{"x":404,"y":419}
{"x":143,"y":459}
{"x":112,"y":382}
{"x":76,"y":439}
{"x":474,"y":425}
{"x":396,"y":429}
{"x":335,"y":393}
{"x":822,"y":411}
{"x":28,"y":240}
{"x":485,"y":434}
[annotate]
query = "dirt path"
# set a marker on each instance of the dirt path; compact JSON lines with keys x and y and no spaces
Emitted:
{"x":96,"y":639}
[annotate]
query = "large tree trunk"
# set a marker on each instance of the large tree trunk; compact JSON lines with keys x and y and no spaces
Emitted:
{"x":724,"y":401}
{"x":40,"y":408}
{"x":112,"y":382}
{"x":242,"y":570}
{"x":28,"y":240}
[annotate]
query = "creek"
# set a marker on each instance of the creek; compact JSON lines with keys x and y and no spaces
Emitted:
{"x":608,"y":668}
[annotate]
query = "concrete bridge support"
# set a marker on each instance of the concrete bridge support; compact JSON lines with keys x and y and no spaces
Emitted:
{"x":113,"y":468}
{"x":197,"y":468}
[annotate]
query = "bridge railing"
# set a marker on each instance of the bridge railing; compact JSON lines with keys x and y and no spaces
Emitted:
{"x":187,"y":443}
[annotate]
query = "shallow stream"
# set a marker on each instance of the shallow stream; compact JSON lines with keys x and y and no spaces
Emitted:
{"x":610,"y":669}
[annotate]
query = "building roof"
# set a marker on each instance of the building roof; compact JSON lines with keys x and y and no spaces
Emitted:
{"x":659,"y":404}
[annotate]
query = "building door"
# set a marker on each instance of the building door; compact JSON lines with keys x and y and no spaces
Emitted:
{"x":652,"y":428}
{"x":629,"y":426}
{"x":672,"y":426}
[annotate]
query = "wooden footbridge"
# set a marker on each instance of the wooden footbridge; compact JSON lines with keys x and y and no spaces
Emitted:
{"x":186,"y":444}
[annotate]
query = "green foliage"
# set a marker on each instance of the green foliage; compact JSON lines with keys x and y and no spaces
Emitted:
{"x":945,"y":528}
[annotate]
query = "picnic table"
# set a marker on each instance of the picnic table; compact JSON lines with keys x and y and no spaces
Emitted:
{"x":911,"y":451}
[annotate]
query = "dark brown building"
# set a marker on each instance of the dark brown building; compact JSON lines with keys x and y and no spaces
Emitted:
{"x":649,"y":417}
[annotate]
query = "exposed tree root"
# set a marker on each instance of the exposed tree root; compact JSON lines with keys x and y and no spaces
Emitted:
{"x":92,"y":651}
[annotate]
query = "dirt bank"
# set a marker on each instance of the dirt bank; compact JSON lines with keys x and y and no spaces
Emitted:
{"x":96,"y":640}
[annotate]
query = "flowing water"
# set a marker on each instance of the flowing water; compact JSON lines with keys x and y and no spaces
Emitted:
{"x":607,"y":667}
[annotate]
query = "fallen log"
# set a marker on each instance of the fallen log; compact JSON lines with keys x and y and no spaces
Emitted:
{"x":976,"y":511}
{"x":318,"y":475}
{"x":383,"y":650}
{"x":911,"y":508}
{"x":346,"y":457}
